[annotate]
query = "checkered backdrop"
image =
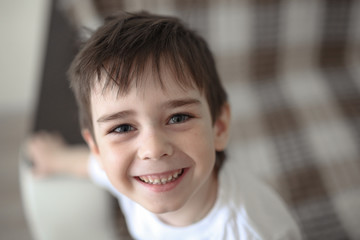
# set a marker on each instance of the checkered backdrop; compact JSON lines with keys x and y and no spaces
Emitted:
{"x":292,"y":72}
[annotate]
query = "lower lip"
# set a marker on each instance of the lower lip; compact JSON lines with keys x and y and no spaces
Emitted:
{"x":163,"y":187}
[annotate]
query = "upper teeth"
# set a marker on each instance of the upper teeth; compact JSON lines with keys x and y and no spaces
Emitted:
{"x":161,"y":180}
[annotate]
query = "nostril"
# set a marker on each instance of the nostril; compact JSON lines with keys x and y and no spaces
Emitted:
{"x":155,"y":146}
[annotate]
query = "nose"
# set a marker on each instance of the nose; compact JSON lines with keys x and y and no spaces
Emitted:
{"x":155,"y":145}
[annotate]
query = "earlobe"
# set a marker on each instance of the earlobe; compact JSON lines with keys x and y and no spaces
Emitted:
{"x":222,"y":128}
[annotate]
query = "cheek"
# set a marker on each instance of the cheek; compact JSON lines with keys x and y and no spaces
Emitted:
{"x":115,"y":160}
{"x":201,"y":146}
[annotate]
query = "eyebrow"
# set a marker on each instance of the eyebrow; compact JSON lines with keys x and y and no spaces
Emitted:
{"x":181,"y":102}
{"x":170,"y":104}
{"x":114,"y":116}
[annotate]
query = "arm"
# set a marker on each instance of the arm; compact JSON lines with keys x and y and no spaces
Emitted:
{"x":51,"y":155}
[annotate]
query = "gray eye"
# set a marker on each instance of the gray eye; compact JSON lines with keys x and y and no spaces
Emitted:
{"x":178,"y":118}
{"x":123,"y":128}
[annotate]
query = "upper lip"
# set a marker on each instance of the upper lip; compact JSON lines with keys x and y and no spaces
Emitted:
{"x":161,"y":178}
{"x":160,"y":174}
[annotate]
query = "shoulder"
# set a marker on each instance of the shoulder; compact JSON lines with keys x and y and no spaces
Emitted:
{"x":99,"y":177}
{"x":256,"y":205}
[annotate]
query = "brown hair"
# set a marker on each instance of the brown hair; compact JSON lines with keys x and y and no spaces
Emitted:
{"x":118,"y":52}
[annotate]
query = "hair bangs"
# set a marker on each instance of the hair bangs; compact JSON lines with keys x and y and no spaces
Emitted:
{"x":121,"y":73}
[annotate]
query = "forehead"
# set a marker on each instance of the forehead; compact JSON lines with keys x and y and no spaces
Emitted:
{"x":144,"y":91}
{"x":161,"y":78}
{"x":144,"y":99}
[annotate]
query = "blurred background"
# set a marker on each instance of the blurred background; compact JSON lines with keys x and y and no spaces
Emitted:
{"x":23,"y":28}
{"x":291,"y":69}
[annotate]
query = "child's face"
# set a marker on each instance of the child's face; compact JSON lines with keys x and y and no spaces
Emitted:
{"x":161,"y":136}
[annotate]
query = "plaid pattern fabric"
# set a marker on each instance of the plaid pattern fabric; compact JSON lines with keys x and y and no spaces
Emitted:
{"x":300,"y":141}
{"x":308,"y":116}
{"x":292,"y":72}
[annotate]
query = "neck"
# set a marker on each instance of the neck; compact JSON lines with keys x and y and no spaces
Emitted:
{"x":198,"y":206}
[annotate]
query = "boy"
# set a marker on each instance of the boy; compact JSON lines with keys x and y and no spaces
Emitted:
{"x":156,"y":119}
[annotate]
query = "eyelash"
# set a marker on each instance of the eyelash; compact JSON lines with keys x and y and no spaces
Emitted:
{"x":182,"y":115}
{"x":128,"y":129}
{"x":184,"y":118}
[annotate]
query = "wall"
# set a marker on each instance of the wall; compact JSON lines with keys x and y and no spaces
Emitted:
{"x":23,"y":33}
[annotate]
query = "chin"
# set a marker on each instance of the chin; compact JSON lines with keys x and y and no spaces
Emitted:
{"x":160,"y":207}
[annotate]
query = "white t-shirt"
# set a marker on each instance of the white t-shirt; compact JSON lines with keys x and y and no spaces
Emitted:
{"x":245,"y":209}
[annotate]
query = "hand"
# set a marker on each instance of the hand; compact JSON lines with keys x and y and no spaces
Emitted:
{"x":51,"y":155}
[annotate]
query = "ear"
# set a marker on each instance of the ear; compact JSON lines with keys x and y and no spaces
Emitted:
{"x":89,"y":139}
{"x":222,"y":128}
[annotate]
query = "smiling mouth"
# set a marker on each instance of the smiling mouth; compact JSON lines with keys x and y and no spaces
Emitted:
{"x":162,"y":178}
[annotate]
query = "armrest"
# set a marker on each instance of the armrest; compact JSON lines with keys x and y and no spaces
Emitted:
{"x":63,"y":207}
